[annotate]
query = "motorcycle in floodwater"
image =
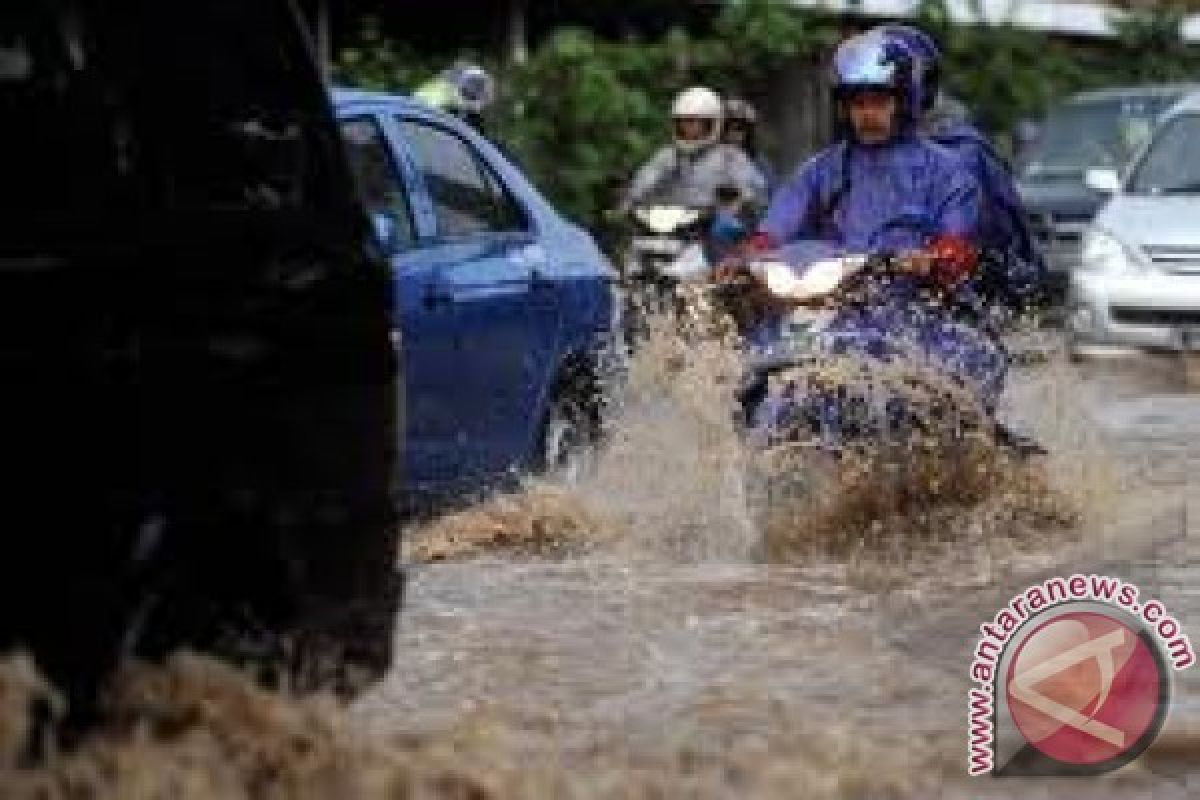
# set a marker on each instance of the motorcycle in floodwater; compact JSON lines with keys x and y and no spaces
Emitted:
{"x":672,"y":248}
{"x":851,"y":360}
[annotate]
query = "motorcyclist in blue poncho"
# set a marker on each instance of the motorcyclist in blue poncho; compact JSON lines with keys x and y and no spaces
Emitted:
{"x":882,"y":189}
{"x":1012,"y":272}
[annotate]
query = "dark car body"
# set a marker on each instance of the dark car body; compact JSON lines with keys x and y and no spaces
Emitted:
{"x":199,"y":408}
{"x":1097,"y":129}
{"x":500,"y":299}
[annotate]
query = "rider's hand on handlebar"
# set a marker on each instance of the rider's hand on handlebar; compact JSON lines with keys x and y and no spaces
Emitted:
{"x":946,"y":261}
{"x":915,"y":262}
{"x":732,"y":271}
{"x":735,"y":267}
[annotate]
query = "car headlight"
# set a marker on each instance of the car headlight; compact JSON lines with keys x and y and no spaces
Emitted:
{"x":1103,"y":252}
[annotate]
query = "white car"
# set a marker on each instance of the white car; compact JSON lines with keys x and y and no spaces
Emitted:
{"x":1138,"y":283}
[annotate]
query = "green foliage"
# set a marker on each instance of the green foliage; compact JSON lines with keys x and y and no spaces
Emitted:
{"x":582,"y":113}
{"x":579,"y":110}
{"x":1001,"y":72}
{"x":378,"y":62}
{"x":1151,"y":50}
{"x":769,"y":30}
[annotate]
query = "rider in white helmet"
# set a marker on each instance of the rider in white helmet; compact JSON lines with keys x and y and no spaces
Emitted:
{"x":690,"y":170}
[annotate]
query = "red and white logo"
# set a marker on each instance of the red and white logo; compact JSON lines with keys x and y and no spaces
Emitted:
{"x":1085,"y":689}
{"x":1072,"y":677}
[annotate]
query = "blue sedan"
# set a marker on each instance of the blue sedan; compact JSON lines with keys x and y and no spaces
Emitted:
{"x":505,"y":308}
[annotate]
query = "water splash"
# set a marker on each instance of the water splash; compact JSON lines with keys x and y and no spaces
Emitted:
{"x":677,"y":480}
{"x":630,"y":635}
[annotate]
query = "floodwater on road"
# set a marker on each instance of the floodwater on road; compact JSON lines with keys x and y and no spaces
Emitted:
{"x":629,"y":636}
{"x":837,"y":674}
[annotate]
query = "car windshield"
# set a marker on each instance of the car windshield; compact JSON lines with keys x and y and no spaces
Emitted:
{"x":1172,"y":164}
{"x":1099,"y":133}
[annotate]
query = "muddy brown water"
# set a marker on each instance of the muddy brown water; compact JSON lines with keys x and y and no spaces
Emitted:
{"x":626,"y":637}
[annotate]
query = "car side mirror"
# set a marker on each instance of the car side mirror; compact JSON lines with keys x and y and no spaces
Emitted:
{"x":1104,"y":180}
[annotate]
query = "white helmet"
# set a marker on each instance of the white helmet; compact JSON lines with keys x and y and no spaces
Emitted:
{"x":696,"y":103}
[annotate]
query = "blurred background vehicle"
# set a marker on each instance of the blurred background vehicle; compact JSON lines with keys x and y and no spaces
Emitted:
{"x":506,"y":308}
{"x":1099,"y":129}
{"x":1138,"y":283}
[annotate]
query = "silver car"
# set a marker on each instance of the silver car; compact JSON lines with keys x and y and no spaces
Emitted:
{"x":1138,"y":283}
{"x":1102,"y":128}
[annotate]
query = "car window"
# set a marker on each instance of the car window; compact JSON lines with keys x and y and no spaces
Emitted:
{"x":509,"y":215}
{"x":379,"y":183}
{"x":467,"y":197}
{"x":1097,"y":133}
{"x":1172,"y":164}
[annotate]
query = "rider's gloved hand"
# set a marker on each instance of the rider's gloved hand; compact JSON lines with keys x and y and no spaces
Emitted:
{"x":731,"y":270}
{"x":954,"y":259}
{"x":734,"y":266}
{"x":946,"y":261}
{"x":915,"y":262}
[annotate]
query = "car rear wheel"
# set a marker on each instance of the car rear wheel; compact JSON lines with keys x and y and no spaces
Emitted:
{"x":311,"y":612}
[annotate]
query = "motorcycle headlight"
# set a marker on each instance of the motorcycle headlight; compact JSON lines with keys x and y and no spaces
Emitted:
{"x":1103,"y":252}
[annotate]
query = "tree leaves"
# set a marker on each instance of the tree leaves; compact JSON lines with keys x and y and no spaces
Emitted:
{"x":583,"y":112}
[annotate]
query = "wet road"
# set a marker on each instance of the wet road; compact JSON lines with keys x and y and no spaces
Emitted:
{"x":668,"y":660}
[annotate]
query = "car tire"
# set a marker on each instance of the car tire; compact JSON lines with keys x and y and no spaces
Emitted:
{"x":299,"y":615}
{"x":571,"y":427}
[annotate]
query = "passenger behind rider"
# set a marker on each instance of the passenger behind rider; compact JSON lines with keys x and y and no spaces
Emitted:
{"x":689,"y":171}
{"x":882,"y":189}
{"x":740,"y":130}
{"x":1012,"y":272}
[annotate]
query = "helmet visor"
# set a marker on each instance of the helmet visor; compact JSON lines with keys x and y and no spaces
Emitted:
{"x":869,"y":96}
{"x":694,"y":129}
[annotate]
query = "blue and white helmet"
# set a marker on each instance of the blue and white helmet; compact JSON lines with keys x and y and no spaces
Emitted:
{"x":874,"y":61}
{"x":927,"y":55}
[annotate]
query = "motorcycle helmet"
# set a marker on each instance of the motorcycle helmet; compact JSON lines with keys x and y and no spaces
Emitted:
{"x":740,"y":115}
{"x":696,"y":118}
{"x":871,"y":61}
{"x":476,"y":89}
{"x":928,"y":59}
{"x":738,"y":109}
{"x":464,"y":89}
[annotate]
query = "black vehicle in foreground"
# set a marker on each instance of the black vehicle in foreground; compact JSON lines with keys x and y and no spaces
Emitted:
{"x":199,"y":405}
